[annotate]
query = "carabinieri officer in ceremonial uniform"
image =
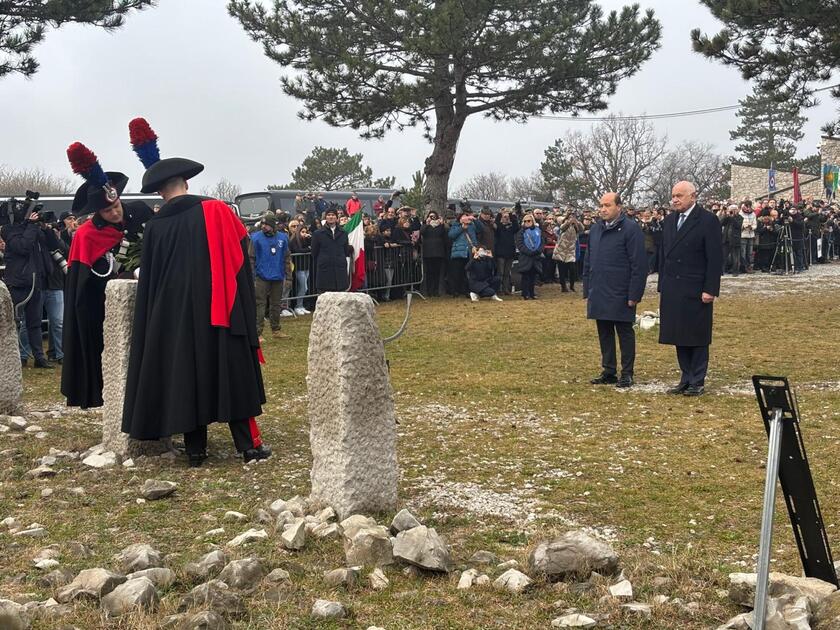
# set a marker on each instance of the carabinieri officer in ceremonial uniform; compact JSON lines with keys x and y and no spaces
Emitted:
{"x":195,"y":355}
{"x":91,"y":263}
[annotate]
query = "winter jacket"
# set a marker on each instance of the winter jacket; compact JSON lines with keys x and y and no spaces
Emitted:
{"x":506,"y":237}
{"x":462,"y":241}
{"x":434,"y":240}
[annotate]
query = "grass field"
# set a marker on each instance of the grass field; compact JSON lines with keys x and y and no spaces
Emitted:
{"x":502,"y":443}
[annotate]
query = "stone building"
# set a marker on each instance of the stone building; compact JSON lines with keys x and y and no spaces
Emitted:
{"x":749,"y":182}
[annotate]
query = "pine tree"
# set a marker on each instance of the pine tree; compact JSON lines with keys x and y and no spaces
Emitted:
{"x":23,"y":24}
{"x":786,"y":48}
{"x":376,"y":65}
{"x":768,"y":131}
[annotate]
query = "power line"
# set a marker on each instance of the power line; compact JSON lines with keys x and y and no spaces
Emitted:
{"x":682,"y":114}
{"x":693,"y":112}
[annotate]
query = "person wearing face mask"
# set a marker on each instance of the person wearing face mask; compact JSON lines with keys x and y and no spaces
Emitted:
{"x":433,"y":238}
{"x":271,"y":261}
{"x":330,"y":250}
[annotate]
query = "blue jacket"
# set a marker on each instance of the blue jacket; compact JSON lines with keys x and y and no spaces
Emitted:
{"x":614,"y":270}
{"x":270,"y":254}
{"x":461,"y":247}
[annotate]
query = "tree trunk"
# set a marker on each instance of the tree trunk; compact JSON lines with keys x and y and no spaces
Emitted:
{"x":439,"y":165}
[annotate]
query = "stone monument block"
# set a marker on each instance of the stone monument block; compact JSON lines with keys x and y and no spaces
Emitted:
{"x":120,"y":298}
{"x":11,"y":383}
{"x":351,"y":408}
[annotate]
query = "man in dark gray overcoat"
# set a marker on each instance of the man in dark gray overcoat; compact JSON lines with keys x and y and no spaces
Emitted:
{"x":614,"y":275}
{"x":689,"y":281}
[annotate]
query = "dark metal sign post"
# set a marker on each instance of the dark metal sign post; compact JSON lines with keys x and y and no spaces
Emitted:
{"x":786,"y":459}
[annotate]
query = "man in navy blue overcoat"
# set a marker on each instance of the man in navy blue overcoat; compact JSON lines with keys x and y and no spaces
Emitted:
{"x":614,"y":275}
{"x":689,"y":281}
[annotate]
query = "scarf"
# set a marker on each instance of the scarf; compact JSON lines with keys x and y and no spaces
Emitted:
{"x":533,"y":239}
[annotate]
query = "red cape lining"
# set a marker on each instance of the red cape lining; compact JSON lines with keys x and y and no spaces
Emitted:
{"x":90,"y":243}
{"x":224,"y":241}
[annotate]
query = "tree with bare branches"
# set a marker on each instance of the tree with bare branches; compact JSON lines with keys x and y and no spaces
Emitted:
{"x":15,"y":182}
{"x":224,"y":189}
{"x":618,"y":155}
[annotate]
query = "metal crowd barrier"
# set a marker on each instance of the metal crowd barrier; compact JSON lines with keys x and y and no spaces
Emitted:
{"x":388,"y":272}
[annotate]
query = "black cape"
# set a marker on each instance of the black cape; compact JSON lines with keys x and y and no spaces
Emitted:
{"x":185,"y":373}
{"x":84,"y":305}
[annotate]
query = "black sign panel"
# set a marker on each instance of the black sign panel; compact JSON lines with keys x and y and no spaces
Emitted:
{"x":773,"y":392}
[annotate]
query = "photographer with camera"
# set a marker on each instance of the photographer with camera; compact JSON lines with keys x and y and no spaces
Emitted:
{"x":732,"y":223}
{"x":795,"y":222}
{"x":29,"y":241}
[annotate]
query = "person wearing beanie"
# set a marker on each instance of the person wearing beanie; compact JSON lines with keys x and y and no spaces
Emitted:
{"x":271,"y":259}
{"x":195,"y":355}
{"x":91,"y":263}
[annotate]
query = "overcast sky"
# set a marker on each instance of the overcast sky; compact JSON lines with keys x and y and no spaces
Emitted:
{"x":211,"y":95}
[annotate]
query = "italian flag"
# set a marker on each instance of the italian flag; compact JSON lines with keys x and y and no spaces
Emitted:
{"x":356,"y":236}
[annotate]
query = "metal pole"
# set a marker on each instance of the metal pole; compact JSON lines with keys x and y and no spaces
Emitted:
{"x":762,"y":578}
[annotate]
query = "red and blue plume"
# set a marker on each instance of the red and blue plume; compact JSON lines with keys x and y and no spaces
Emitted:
{"x":84,"y":162}
{"x":144,"y":141}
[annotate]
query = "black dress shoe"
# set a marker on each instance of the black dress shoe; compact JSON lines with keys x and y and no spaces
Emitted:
{"x":679,"y":389}
{"x":23,"y":363}
{"x":196,"y":459}
{"x":263,"y":451}
{"x":605,"y":379}
{"x":624,"y":382}
{"x":43,"y":364}
{"x":694,"y":390}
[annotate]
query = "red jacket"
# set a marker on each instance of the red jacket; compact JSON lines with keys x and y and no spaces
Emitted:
{"x":353,"y":205}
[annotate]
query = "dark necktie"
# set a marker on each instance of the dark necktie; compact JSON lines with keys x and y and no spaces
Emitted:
{"x":680,"y":221}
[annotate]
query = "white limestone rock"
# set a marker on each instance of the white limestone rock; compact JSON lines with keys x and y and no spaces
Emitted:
{"x":247,"y":537}
{"x":404,"y":520}
{"x":422,"y":547}
{"x":161,"y":577}
{"x":108,"y":459}
{"x":378,"y":580}
{"x":370,"y":546}
{"x":513,"y":581}
{"x":573,"y":553}
{"x":11,"y":376}
{"x":278,"y":575}
{"x":208,"y":565}
{"x":467,"y":579}
{"x":573,"y":620}
{"x":351,"y":408}
{"x":13,"y":616}
{"x":345,"y":576}
{"x":154,"y":489}
{"x":294,"y":537}
{"x":742,"y":588}
{"x":91,"y":584}
{"x":243,"y":574}
{"x":325,"y":609}
{"x":132,"y":595}
{"x":622,"y":589}
{"x":138,"y":557}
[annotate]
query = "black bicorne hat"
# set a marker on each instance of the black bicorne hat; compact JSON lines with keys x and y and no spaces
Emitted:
{"x":163,"y":170}
{"x":101,"y":188}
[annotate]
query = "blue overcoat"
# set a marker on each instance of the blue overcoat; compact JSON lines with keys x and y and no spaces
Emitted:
{"x":614,"y":270}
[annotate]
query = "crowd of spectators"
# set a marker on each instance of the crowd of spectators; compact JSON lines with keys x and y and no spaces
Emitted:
{"x":479,"y":253}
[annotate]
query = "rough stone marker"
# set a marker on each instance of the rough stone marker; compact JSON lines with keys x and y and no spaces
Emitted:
{"x":351,"y":408}
{"x":120,"y":298}
{"x":11,"y":383}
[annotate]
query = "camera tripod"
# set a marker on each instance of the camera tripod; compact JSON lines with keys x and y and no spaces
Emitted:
{"x":783,"y":253}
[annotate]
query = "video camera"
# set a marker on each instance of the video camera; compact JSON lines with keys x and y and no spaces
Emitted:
{"x":16,"y":211}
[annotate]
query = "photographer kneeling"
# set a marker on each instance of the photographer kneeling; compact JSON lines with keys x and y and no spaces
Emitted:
{"x":29,"y":241}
